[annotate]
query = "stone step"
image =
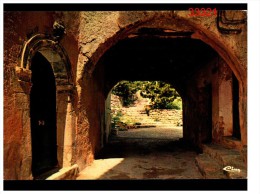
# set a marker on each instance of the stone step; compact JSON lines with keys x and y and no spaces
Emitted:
{"x":149,"y":121}
{"x":234,"y":174}
{"x":145,"y":116}
{"x":209,"y":168}
{"x":231,"y":142}
{"x":66,"y":173}
{"x":150,"y":113}
{"x":227,"y":157}
{"x":151,"y":116}
{"x":145,"y":120}
{"x":141,"y":121}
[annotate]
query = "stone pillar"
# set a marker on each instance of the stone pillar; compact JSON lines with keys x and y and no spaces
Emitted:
{"x":68,"y":136}
{"x":108,"y":117}
{"x":217,"y":133}
{"x":222,"y":102}
{"x":61,"y":123}
{"x":190,"y":121}
{"x":22,"y":89}
{"x":225,"y":98}
{"x":243,"y":114}
{"x":65,"y":125}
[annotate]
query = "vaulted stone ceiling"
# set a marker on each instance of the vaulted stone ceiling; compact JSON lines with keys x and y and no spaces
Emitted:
{"x":149,"y":58}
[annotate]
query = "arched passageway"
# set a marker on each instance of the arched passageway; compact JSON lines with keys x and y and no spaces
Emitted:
{"x":201,"y":77}
{"x":186,"y":63}
{"x":200,"y":56}
{"x":192,"y":55}
{"x":141,"y":107}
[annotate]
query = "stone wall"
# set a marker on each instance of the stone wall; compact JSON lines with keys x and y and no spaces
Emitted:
{"x":91,"y":117}
{"x":125,"y":24}
{"x":19,"y":27}
{"x":88,"y":36}
{"x":17,"y":156}
{"x":136,"y":113}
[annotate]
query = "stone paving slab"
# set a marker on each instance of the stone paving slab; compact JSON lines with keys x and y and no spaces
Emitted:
{"x":148,"y":153}
{"x":227,"y":157}
{"x":224,"y":155}
{"x":209,"y":168}
{"x":66,"y":173}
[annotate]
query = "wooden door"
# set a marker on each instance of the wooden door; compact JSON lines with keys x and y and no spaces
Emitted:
{"x":43,"y":116}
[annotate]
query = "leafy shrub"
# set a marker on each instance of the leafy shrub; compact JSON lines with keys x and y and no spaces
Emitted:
{"x":125,"y":90}
{"x":176,"y":104}
{"x":162,"y":95}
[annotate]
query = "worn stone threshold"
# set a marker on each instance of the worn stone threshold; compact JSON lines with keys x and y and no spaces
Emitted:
{"x":215,"y":157}
{"x":67,"y":173}
{"x":231,"y":142}
{"x":209,"y":168}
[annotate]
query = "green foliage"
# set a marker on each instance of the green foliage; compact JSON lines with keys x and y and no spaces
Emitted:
{"x":116,"y":118}
{"x":162,"y":95}
{"x":126,"y":90}
{"x":176,"y":104}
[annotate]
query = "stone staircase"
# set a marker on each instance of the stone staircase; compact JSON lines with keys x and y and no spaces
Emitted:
{"x":215,"y":157}
{"x":156,"y":117}
{"x":136,"y":114}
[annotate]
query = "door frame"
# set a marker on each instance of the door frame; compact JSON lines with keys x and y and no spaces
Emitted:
{"x":65,"y":89}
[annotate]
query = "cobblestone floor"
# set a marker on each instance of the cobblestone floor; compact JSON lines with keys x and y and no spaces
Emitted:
{"x":144,"y":153}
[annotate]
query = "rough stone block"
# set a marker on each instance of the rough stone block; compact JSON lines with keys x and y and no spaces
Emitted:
{"x":67,"y":173}
{"x":22,"y":101}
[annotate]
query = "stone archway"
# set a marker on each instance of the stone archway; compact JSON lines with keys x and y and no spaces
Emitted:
{"x":54,"y":54}
{"x":167,"y":24}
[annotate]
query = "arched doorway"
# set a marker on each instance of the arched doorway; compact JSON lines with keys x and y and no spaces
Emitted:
{"x":44,"y":72}
{"x":43,"y":116}
{"x":194,"y":60}
{"x":186,"y":63}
